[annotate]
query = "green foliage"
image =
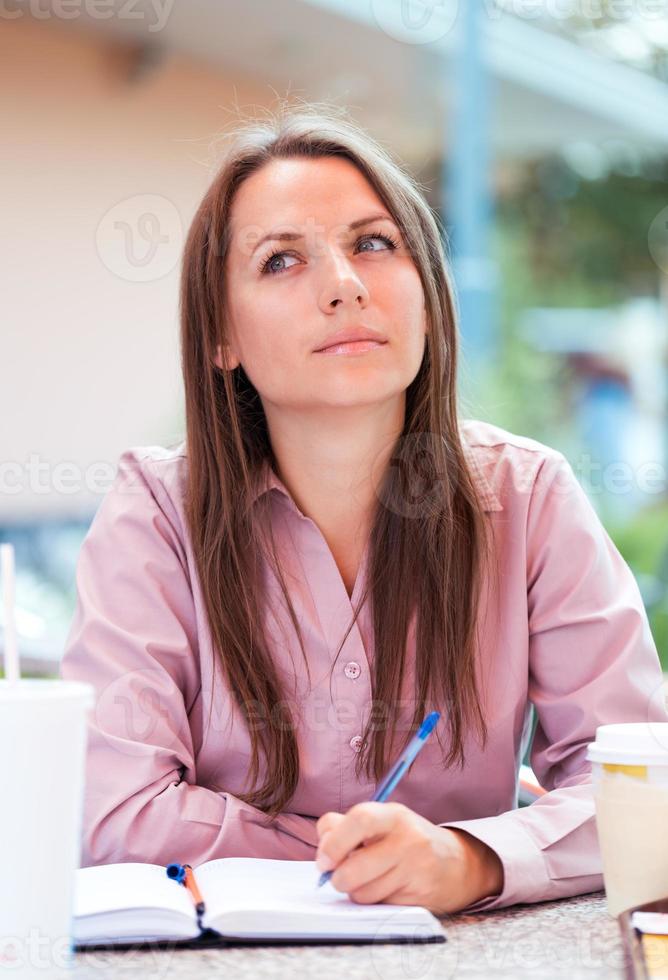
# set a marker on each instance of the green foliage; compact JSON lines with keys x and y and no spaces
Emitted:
{"x":562,"y":241}
{"x":643,"y":543}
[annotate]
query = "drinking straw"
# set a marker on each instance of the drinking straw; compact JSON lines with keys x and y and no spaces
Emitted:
{"x":10,"y":649}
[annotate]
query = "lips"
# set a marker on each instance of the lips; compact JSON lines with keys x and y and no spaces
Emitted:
{"x":350,"y":336}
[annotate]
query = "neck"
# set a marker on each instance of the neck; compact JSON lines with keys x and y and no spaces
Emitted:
{"x":333,"y":461}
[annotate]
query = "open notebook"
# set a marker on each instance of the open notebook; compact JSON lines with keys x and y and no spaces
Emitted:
{"x":247,"y":899}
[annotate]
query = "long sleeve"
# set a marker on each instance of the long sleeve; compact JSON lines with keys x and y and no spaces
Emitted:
{"x":592,"y":661}
{"x":134,"y":638}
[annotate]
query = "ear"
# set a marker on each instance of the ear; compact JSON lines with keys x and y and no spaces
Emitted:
{"x":227,"y":363}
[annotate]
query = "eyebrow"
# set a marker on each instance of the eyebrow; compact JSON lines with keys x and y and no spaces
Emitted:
{"x":292,"y":236}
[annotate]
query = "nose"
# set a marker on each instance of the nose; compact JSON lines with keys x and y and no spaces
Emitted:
{"x":342,"y":284}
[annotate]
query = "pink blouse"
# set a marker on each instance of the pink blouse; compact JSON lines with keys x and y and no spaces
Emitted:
{"x":572,"y":638}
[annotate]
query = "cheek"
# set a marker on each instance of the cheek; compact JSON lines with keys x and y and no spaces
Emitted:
{"x":268,"y":345}
{"x":400,"y":297}
{"x":261,"y":325}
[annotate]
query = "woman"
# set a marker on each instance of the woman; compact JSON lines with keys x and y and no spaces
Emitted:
{"x":268,"y":610}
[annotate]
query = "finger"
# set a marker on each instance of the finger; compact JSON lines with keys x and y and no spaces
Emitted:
{"x":403,"y":895}
{"x":365,"y":864}
{"x":322,"y":858}
{"x":327,"y":821}
{"x":361,"y":823}
{"x":379,"y":889}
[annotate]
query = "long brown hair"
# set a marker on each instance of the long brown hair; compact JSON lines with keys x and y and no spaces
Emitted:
{"x":427,"y":554}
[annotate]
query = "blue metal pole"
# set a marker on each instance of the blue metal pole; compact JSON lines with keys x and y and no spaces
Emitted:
{"x":467,"y":180}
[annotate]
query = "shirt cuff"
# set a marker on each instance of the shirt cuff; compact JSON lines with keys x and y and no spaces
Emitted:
{"x":525,"y":877}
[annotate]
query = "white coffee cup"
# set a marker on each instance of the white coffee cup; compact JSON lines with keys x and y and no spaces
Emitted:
{"x":42,"y":757}
{"x":630,"y":780}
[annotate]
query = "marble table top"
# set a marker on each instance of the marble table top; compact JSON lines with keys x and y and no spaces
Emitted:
{"x":573,"y":937}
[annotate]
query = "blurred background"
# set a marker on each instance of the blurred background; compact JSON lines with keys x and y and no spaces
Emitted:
{"x":538,"y":130}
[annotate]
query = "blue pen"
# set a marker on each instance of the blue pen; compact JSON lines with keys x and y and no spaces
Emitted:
{"x":183,"y":874}
{"x":389,"y":782}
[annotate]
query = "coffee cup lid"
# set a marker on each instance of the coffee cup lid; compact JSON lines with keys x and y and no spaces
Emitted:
{"x":635,"y":743}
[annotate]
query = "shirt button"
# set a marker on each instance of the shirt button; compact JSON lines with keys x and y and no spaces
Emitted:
{"x":356,"y":742}
{"x":352,"y":669}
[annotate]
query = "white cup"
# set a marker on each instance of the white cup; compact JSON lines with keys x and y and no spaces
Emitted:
{"x":42,"y":757}
{"x":630,"y":780}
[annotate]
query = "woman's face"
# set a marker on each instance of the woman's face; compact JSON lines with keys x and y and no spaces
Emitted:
{"x":330,"y":279}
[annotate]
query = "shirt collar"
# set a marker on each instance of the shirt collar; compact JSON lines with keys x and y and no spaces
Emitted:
{"x":490,"y":500}
{"x":268,"y":480}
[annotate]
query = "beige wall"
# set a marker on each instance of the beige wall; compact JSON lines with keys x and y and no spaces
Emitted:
{"x":89,"y":359}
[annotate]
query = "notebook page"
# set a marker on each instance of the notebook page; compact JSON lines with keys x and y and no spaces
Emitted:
{"x":112,"y":887}
{"x":655,"y":922}
{"x":290,"y":887}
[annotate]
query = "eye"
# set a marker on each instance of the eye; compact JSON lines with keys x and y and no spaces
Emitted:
{"x":389,"y":241}
{"x":265,"y":267}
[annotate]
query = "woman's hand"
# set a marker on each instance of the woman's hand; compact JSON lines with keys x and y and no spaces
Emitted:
{"x":406,"y":859}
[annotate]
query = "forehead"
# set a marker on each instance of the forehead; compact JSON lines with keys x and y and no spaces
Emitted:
{"x":293,"y":193}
